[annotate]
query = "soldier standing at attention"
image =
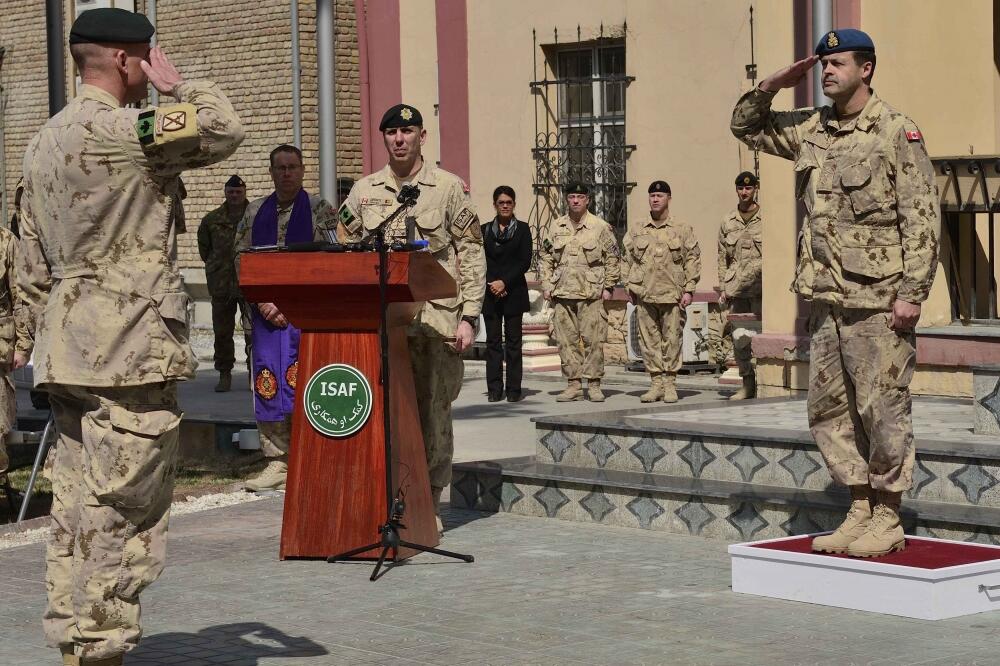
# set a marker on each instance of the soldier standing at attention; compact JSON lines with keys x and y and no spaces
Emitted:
{"x":445,"y":217}
{"x":867,"y":257}
{"x":98,"y":272}
{"x":663,"y":266}
{"x":740,"y":268}
{"x":287,"y":215}
{"x":579,"y":268}
{"x":15,"y":341}
{"x":216,"y":238}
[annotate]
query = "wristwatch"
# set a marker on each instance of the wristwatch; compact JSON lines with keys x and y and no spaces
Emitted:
{"x":470,"y":320}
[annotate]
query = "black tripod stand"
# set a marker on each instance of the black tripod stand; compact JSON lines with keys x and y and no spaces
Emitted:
{"x":389,"y":537}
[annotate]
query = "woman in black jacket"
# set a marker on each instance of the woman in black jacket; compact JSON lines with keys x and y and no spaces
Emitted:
{"x":507,"y":242}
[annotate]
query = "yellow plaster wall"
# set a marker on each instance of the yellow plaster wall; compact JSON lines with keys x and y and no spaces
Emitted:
{"x":419,"y":68}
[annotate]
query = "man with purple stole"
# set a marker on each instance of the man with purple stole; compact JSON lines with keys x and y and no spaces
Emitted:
{"x":287,"y":215}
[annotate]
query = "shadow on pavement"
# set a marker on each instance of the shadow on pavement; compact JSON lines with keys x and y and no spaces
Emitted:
{"x":239,"y":644}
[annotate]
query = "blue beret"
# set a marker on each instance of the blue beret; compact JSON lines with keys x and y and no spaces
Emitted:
{"x":110,"y":25}
{"x":848,"y":39}
{"x":401,"y":115}
{"x":577,"y":188}
{"x":659,"y":186}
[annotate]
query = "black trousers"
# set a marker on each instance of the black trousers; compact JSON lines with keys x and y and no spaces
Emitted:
{"x":497,"y":352}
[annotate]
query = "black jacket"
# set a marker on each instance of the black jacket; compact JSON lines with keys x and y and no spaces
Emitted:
{"x":507,"y":261}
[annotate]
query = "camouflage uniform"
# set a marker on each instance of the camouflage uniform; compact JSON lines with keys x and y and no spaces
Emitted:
{"x":275,"y":436}
{"x":740,"y":267}
{"x":663,"y":262}
{"x":576,"y":264}
{"x":14,"y":337}
{"x":444,"y":216}
{"x":106,"y":301}
{"x":216,"y":238}
{"x":871,"y":238}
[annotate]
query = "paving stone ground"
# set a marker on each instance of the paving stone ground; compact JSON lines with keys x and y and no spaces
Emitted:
{"x":540,"y":592}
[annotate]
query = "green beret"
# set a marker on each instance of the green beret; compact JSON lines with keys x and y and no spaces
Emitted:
{"x":849,"y":39}
{"x":111,"y":25}
{"x":401,"y":115}
{"x":746,"y":178}
{"x":659,"y":186}
{"x":235,"y":181}
{"x":577,"y":188}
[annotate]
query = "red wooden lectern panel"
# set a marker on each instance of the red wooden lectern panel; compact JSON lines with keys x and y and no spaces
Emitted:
{"x":335,"y":494}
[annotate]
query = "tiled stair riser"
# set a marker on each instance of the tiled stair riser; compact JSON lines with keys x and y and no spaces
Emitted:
{"x":959,"y":480}
{"x":732,"y":520}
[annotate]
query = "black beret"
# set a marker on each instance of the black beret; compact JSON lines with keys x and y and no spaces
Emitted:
{"x":110,"y":25}
{"x":659,"y":186}
{"x":235,"y":181}
{"x":839,"y":41}
{"x":577,"y":188}
{"x":401,"y":115}
{"x":746,"y":178}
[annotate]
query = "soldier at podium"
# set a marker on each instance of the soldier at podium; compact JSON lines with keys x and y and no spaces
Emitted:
{"x":287,"y":215}
{"x":444,"y":216}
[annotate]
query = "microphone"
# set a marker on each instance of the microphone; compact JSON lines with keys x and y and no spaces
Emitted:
{"x":408,"y":195}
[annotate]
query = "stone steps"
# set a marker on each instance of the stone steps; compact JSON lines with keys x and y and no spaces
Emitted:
{"x":737,"y":478}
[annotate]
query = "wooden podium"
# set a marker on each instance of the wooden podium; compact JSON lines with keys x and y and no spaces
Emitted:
{"x":335,"y":496}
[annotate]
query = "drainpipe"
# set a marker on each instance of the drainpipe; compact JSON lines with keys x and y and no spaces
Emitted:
{"x":154,"y":98}
{"x":296,"y":79}
{"x":366,"y":138}
{"x":56,"y":55}
{"x":327,"y":75}
{"x":822,"y":19}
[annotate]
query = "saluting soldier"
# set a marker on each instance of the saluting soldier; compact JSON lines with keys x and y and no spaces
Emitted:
{"x":98,"y":271}
{"x":216,"y":245}
{"x":663,"y":265}
{"x":445,"y":217}
{"x":740,"y":268}
{"x":867,"y":257}
{"x":579,"y":270}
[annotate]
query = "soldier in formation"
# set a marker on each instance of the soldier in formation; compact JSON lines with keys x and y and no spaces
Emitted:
{"x":445,"y":217}
{"x":15,"y":341}
{"x":290,"y":214}
{"x":579,"y":266}
{"x":105,"y":299}
{"x":740,"y":266}
{"x":867,"y":257}
{"x":216,"y":238}
{"x":662,"y":268}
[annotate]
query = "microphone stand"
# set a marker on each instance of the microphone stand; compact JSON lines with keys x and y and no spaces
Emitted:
{"x":389,"y":537}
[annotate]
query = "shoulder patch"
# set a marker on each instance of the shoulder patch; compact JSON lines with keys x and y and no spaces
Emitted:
{"x":145,"y":127}
{"x":465,"y":185}
{"x":174,"y":123}
{"x":465,"y":218}
{"x":345,"y":216}
{"x":913,"y":135}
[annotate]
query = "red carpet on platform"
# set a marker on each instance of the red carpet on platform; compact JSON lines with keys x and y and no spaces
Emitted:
{"x":920,"y":553}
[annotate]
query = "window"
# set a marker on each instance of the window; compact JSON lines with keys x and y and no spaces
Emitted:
{"x":580,"y":118}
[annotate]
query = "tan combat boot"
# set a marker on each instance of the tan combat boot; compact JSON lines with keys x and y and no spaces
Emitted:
{"x":670,"y":387}
{"x":594,"y":392}
{"x":853,"y":527}
{"x":573,"y":391}
{"x":436,"y":500}
{"x":68,"y":656}
{"x":884,"y":534}
{"x":272,"y":478}
{"x":748,"y":390}
{"x":225,"y":382}
{"x":655,"y":391}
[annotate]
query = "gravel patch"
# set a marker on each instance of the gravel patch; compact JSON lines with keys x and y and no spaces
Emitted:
{"x":179,"y":508}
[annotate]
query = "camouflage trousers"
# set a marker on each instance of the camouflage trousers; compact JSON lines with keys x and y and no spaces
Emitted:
{"x":720,"y":345}
{"x":275,"y":437}
{"x":437,"y":378}
{"x":580,"y":329}
{"x":661,"y":335}
{"x":112,"y":484}
{"x":224,"y":312}
{"x":859,"y":398}
{"x":8,"y":416}
{"x":741,"y":338}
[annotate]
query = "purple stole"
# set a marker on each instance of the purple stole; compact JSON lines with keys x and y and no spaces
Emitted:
{"x":275,"y":351}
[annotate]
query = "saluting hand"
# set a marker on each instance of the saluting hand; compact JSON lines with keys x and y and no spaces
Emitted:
{"x":161,"y":72}
{"x":790,"y":76}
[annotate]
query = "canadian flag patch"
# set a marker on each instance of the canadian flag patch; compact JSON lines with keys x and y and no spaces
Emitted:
{"x":465,"y":186}
{"x":914,"y":135}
